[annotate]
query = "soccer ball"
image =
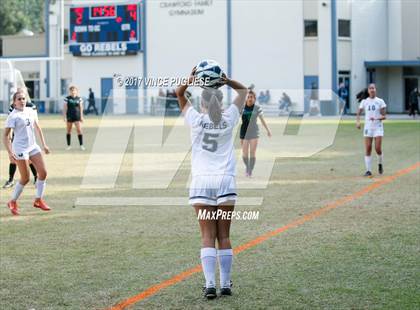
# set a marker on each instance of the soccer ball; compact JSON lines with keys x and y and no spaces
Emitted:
{"x":209,"y":73}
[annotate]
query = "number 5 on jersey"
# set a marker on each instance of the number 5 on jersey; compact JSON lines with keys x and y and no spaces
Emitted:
{"x":210,"y":142}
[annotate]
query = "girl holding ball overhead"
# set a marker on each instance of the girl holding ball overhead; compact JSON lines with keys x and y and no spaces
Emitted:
{"x":213,"y":175}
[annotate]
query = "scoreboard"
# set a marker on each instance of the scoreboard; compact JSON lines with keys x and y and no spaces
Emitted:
{"x":105,"y":30}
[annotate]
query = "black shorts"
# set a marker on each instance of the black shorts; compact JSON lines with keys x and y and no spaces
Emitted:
{"x":73,"y":118}
{"x":249,"y":133}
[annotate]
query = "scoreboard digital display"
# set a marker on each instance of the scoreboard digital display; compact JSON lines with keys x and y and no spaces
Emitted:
{"x":105,"y":30}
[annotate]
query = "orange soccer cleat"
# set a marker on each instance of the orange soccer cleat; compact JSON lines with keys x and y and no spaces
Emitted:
{"x":40,"y":204}
{"x":13,"y":207}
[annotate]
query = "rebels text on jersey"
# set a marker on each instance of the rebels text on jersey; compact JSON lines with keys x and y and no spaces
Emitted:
{"x":212,"y":144}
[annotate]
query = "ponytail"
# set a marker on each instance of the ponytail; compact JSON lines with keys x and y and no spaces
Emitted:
{"x":212,"y":100}
{"x":215,"y":110}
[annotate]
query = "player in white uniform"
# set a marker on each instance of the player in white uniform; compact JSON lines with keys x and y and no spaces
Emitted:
{"x":24,"y":122}
{"x":12,"y":165}
{"x":213,"y":176}
{"x":375,"y":113}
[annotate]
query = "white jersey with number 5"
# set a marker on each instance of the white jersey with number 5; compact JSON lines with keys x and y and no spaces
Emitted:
{"x":372,"y":108}
{"x":212,"y":145}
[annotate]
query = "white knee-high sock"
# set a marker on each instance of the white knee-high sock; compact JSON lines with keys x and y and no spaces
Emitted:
{"x":40,"y":188}
{"x":208,"y":261}
{"x":381,"y":159}
{"x":18,"y":190}
{"x":368,"y":163}
{"x":225,"y":266}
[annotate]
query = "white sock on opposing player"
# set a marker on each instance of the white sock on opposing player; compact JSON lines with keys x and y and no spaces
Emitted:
{"x":380,"y":159}
{"x":225,"y":266}
{"x":368,"y":163}
{"x":208,"y":262}
{"x":40,"y":188}
{"x":18,"y":190}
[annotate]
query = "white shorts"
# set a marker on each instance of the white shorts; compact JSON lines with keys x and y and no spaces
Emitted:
{"x":25,"y":154}
{"x":374,"y":132}
{"x":212,"y":190}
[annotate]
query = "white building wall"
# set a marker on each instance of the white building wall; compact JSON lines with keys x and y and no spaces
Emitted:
{"x":310,"y":56}
{"x":344,"y":45}
{"x":324,"y":48}
{"x":310,"y":9}
{"x":344,"y":9}
{"x":17,"y":46}
{"x":369,"y":40}
{"x":344,"y":54}
{"x":310,"y":45}
{"x":394,"y":30}
{"x":267,"y":46}
{"x":267,"y":43}
{"x":410,"y":30}
{"x":175,"y":44}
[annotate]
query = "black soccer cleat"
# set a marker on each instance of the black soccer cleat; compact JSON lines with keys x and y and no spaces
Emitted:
{"x":210,"y":292}
{"x":8,"y":184}
{"x":367,"y":174}
{"x":380,"y":169}
{"x":226,"y":291}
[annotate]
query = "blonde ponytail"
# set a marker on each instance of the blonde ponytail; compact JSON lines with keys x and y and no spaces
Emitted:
{"x":212,"y":101}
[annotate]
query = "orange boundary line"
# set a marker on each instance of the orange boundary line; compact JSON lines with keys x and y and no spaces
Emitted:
{"x":299,"y":221}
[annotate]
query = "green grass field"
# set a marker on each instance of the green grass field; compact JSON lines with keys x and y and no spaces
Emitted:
{"x":364,"y":254}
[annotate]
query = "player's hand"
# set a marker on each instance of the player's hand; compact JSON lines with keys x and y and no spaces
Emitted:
{"x":358,"y":125}
{"x":46,"y":149}
{"x":12,"y":157}
{"x":193,"y":71}
{"x":224,"y":79}
{"x":191,"y":78}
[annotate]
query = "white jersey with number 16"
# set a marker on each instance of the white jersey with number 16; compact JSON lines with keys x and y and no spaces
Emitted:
{"x":212,"y":145}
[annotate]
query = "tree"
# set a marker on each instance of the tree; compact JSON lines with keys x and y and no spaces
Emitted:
{"x":16,"y":15}
{"x":11,"y":20}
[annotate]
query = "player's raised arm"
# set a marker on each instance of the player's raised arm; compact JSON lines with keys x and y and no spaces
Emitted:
{"x":180,"y":93}
{"x":240,"y":89}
